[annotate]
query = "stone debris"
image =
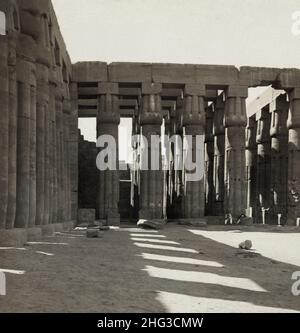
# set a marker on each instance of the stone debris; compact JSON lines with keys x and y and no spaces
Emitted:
{"x":151,"y":224}
{"x":93,"y":233}
{"x":246,"y":245}
{"x":104,"y":228}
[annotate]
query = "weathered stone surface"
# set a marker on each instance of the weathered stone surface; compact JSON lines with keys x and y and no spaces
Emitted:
{"x":90,"y":72}
{"x":93,"y":233}
{"x":86,"y":216}
{"x":34,"y":234}
{"x":129,"y":72}
{"x":16,"y":237}
{"x":151,"y":224}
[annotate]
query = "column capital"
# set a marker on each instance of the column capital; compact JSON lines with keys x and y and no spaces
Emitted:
{"x":237,"y":91}
{"x":151,"y":88}
{"x":193,"y":89}
{"x":108,"y":88}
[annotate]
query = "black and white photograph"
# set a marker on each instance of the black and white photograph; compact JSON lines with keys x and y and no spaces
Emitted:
{"x":150,"y":162}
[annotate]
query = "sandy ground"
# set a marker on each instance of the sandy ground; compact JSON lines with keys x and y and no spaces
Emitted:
{"x":178,"y":269}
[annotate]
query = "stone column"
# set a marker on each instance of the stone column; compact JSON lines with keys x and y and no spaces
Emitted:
{"x":251,"y":165}
{"x":59,"y":153}
{"x":26,"y":80}
{"x":42,"y":110}
{"x":108,"y":124}
{"x":209,"y":162}
{"x":67,"y":112}
{"x":12,"y":144}
{"x":178,"y":184}
{"x":235,"y":122}
{"x":279,"y":160}
{"x":193,"y":123}
{"x":53,"y":137}
{"x":219,"y":152}
{"x":32,"y":172}
{"x":151,"y":186}
{"x":4,"y":123}
{"x":293,"y":125}
{"x":263,"y":176}
{"x":73,"y":144}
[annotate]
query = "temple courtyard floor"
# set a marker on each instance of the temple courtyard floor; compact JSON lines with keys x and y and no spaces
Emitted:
{"x":177,"y":269}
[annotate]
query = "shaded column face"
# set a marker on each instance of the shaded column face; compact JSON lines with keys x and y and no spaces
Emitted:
{"x":4,"y":123}
{"x":263,"y":140}
{"x":13,"y":113}
{"x":151,"y":173}
{"x":293,"y":124}
{"x":107,"y":124}
{"x":219,"y":152}
{"x":279,"y":160}
{"x":193,"y":123}
{"x":251,"y":165}
{"x":235,"y":121}
{"x":26,"y":82}
{"x":209,"y":162}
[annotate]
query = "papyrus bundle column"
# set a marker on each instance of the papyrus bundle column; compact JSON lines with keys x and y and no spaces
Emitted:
{"x":209,"y":161}
{"x":235,"y":122}
{"x":279,"y":160}
{"x":293,"y":124}
{"x":193,"y":123}
{"x":151,"y":181}
{"x":263,"y":172}
{"x":108,"y":121}
{"x":219,"y":151}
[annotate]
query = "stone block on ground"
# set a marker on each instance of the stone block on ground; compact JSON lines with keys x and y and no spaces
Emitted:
{"x":151,"y":224}
{"x":93,"y":233}
{"x":13,"y":238}
{"x":246,"y":245}
{"x":34,"y":234}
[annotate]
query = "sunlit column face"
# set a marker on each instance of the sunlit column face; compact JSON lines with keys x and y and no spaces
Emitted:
{"x":2,"y":24}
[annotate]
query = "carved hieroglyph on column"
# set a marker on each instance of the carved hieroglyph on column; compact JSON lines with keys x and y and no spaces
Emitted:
{"x":107,"y":124}
{"x":293,"y":124}
{"x":151,"y":181}
{"x":279,"y":160}
{"x":194,"y":122}
{"x":219,"y":151}
{"x":263,"y":172}
{"x":235,"y":121}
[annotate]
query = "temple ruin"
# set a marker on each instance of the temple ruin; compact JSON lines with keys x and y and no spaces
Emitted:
{"x":252,"y":157}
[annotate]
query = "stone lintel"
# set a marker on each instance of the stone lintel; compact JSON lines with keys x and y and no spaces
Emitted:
{"x":129,"y":72}
{"x":111,"y":88}
{"x":151,"y":88}
{"x":237,"y":91}
{"x":92,"y":71}
{"x":194,"y":90}
{"x":257,"y":76}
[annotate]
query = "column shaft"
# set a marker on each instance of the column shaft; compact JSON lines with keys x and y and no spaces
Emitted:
{"x":151,"y":186}
{"x":194,"y":123}
{"x":4,"y":123}
{"x":263,"y":176}
{"x":293,"y":125}
{"x":219,"y":151}
{"x":235,"y":122}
